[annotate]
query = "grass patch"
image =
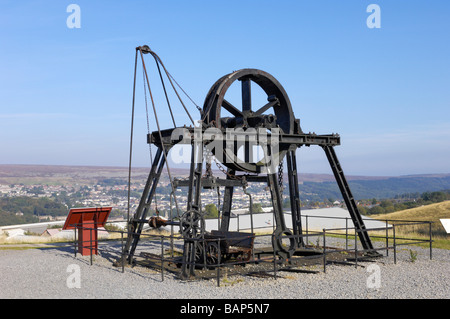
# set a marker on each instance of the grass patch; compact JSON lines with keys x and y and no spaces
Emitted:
{"x":432,"y":213}
{"x":19,"y":247}
{"x":428,"y":213}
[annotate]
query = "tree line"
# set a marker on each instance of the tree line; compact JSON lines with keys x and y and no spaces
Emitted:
{"x":402,"y":202}
{"x":22,"y":210}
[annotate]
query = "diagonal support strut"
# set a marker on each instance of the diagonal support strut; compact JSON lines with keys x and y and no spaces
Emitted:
{"x":348,"y":197}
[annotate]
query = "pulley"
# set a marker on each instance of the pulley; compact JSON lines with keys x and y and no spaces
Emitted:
{"x":275,"y":114}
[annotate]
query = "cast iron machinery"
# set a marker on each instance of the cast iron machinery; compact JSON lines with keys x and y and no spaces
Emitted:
{"x":231,"y":135}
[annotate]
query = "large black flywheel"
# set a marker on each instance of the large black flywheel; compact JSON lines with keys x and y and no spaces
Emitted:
{"x":228,"y":113}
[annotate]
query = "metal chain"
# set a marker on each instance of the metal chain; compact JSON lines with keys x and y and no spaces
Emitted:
{"x":207,"y":155}
{"x":280,"y":176}
{"x":225,"y":171}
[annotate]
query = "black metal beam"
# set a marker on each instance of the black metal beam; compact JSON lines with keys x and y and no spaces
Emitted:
{"x":169,"y":139}
{"x":144,"y":204}
{"x":348,"y":197}
{"x":193,"y":204}
{"x":294,"y":195}
{"x":227,"y":203}
{"x":210,"y":182}
{"x":246,"y":84}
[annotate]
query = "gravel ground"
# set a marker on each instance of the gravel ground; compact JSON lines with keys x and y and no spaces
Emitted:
{"x":50,"y":272}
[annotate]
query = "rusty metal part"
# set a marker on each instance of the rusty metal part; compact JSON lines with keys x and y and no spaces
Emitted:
{"x":192,"y":224}
{"x":157,"y":222}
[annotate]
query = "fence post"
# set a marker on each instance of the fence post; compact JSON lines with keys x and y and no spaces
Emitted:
{"x":123,"y":261}
{"x":90,"y":235}
{"x":346,"y":233}
{"x":162,"y":258}
{"x":324,"y":253}
{"x":387,"y":238}
{"x":395,"y":250}
{"x":75,"y":241}
{"x":274,"y":261}
{"x":431,"y":243}
{"x":218,"y":263}
{"x":356,"y":249}
{"x":307,"y":232}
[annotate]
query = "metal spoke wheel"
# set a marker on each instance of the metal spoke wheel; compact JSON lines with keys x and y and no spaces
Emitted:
{"x":192,"y":224}
{"x":225,"y":113}
{"x":199,"y":254}
{"x":212,"y":253}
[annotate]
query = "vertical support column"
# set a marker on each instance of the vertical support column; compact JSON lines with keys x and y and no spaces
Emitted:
{"x":227,"y":202}
{"x":277,"y":202}
{"x":87,"y":238}
{"x":246,"y":94}
{"x":294,"y":196}
{"x":195,"y":175}
{"x":193,"y":209}
{"x":281,"y":230}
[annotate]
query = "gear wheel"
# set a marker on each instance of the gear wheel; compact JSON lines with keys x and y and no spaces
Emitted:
{"x":192,"y":224}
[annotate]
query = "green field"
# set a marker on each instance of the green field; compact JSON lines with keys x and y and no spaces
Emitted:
{"x":432,"y":213}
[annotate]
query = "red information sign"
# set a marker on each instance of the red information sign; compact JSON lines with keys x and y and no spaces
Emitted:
{"x":87,"y":221}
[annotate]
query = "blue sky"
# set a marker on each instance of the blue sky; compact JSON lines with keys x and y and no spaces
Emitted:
{"x":65,"y":94}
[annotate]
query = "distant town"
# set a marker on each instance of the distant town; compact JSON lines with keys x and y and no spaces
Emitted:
{"x":46,"y":193}
{"x":112,"y":193}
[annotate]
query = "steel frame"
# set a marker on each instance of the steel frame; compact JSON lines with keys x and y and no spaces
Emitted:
{"x":288,"y":139}
{"x":196,"y":182}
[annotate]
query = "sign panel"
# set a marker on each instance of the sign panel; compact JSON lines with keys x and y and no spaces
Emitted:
{"x":446,"y":224}
{"x":78,"y":216}
{"x":87,"y":221}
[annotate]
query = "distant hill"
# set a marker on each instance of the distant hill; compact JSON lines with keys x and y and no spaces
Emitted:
{"x":314,"y":186}
{"x":432,"y":212}
{"x":62,"y":175}
{"x":380,"y":188}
